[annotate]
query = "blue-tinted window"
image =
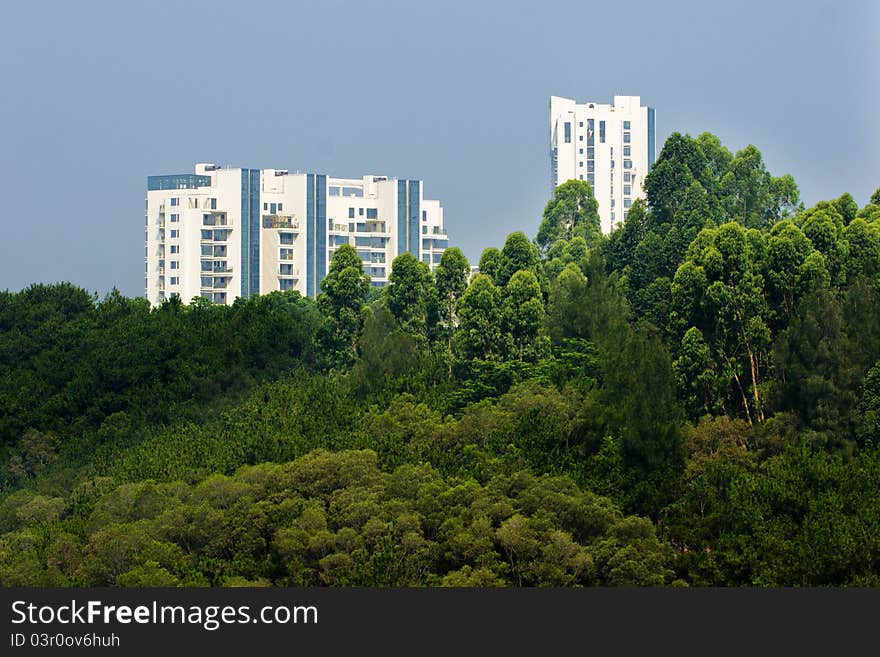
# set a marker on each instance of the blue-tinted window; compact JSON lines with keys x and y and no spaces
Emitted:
{"x":581,"y":124}
{"x":360,"y":212}
{"x":627,"y":202}
{"x":580,"y":151}
{"x":627,"y":151}
{"x":626,"y":125}
{"x":213,"y":204}
{"x":175,"y":200}
{"x":285,"y":238}
{"x":424,"y":215}
{"x":178,"y":181}
{"x":567,"y":132}
{"x":175,"y":280}
{"x":175,"y":264}
{"x":627,"y":176}
{"x":627,"y":164}
{"x":601,"y":132}
{"x":174,"y":218}
{"x":580,"y":164}
{"x":279,"y":207}
{"x":273,"y":208}
{"x":591,"y":178}
{"x":285,"y":284}
{"x":627,"y":190}
{"x":627,"y":137}
{"x":591,"y":166}
{"x":372,"y":213}
{"x":175,"y":248}
{"x":351,"y":213}
{"x":266,"y":207}
{"x":321,"y":224}
{"x":415,"y":211}
{"x":591,"y":153}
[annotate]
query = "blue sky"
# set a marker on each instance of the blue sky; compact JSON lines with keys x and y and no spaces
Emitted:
{"x":98,"y":95}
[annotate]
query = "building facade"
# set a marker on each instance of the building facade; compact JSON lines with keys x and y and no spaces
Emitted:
{"x":610,"y":146}
{"x":223,"y":233}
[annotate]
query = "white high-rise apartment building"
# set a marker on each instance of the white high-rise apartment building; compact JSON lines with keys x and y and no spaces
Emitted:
{"x":610,"y":146}
{"x":223,"y":233}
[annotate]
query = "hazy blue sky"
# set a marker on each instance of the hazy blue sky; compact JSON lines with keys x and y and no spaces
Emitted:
{"x":98,"y":95}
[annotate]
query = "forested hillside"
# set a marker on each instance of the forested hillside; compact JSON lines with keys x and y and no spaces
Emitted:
{"x":692,"y":400}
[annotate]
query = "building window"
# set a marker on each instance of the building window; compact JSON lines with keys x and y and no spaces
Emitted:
{"x":175,"y":200}
{"x":627,"y":176}
{"x":372,"y":213}
{"x":626,"y":125}
{"x":580,"y":151}
{"x":567,"y":132}
{"x":581,"y":177}
{"x":361,"y":212}
{"x":273,"y":208}
{"x":627,"y":151}
{"x":580,"y":137}
{"x":213,"y":204}
{"x":175,"y":218}
{"x":591,"y":178}
{"x":627,"y":137}
{"x":627,"y":190}
{"x":627,"y":164}
{"x":581,"y":124}
{"x":351,"y":213}
{"x":601,"y":132}
{"x":625,"y":214}
{"x":175,"y":264}
{"x":175,"y":233}
{"x":612,"y":216}
{"x":175,"y":280}
{"x":591,"y":152}
{"x":627,"y":202}
{"x":612,"y":164}
{"x":612,"y":203}
{"x":279,"y":207}
{"x":580,"y":164}
{"x":265,"y":207}
{"x":591,"y":166}
{"x":424,"y":230}
{"x":175,"y":248}
{"x":424,"y":215}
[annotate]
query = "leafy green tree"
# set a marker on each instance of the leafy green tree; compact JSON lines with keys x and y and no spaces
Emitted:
{"x":344,"y":290}
{"x":407,"y":293}
{"x":523,"y":315}
{"x":491,"y":263}
{"x":720,"y":290}
{"x":518,"y":254}
{"x":572,"y":212}
{"x":451,"y":277}
{"x":479,"y":333}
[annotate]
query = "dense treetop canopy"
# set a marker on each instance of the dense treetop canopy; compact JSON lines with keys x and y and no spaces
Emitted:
{"x":691,"y":400}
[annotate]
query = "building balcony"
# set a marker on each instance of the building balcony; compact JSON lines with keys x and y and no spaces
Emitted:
{"x":280,"y":221}
{"x":291,"y":273}
{"x":439,"y":231}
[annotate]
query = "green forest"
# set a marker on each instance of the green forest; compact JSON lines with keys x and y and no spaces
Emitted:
{"x":692,"y":400}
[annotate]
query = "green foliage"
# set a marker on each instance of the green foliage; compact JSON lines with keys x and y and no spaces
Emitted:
{"x":712,"y":367}
{"x":344,"y":290}
{"x":572,"y":212}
